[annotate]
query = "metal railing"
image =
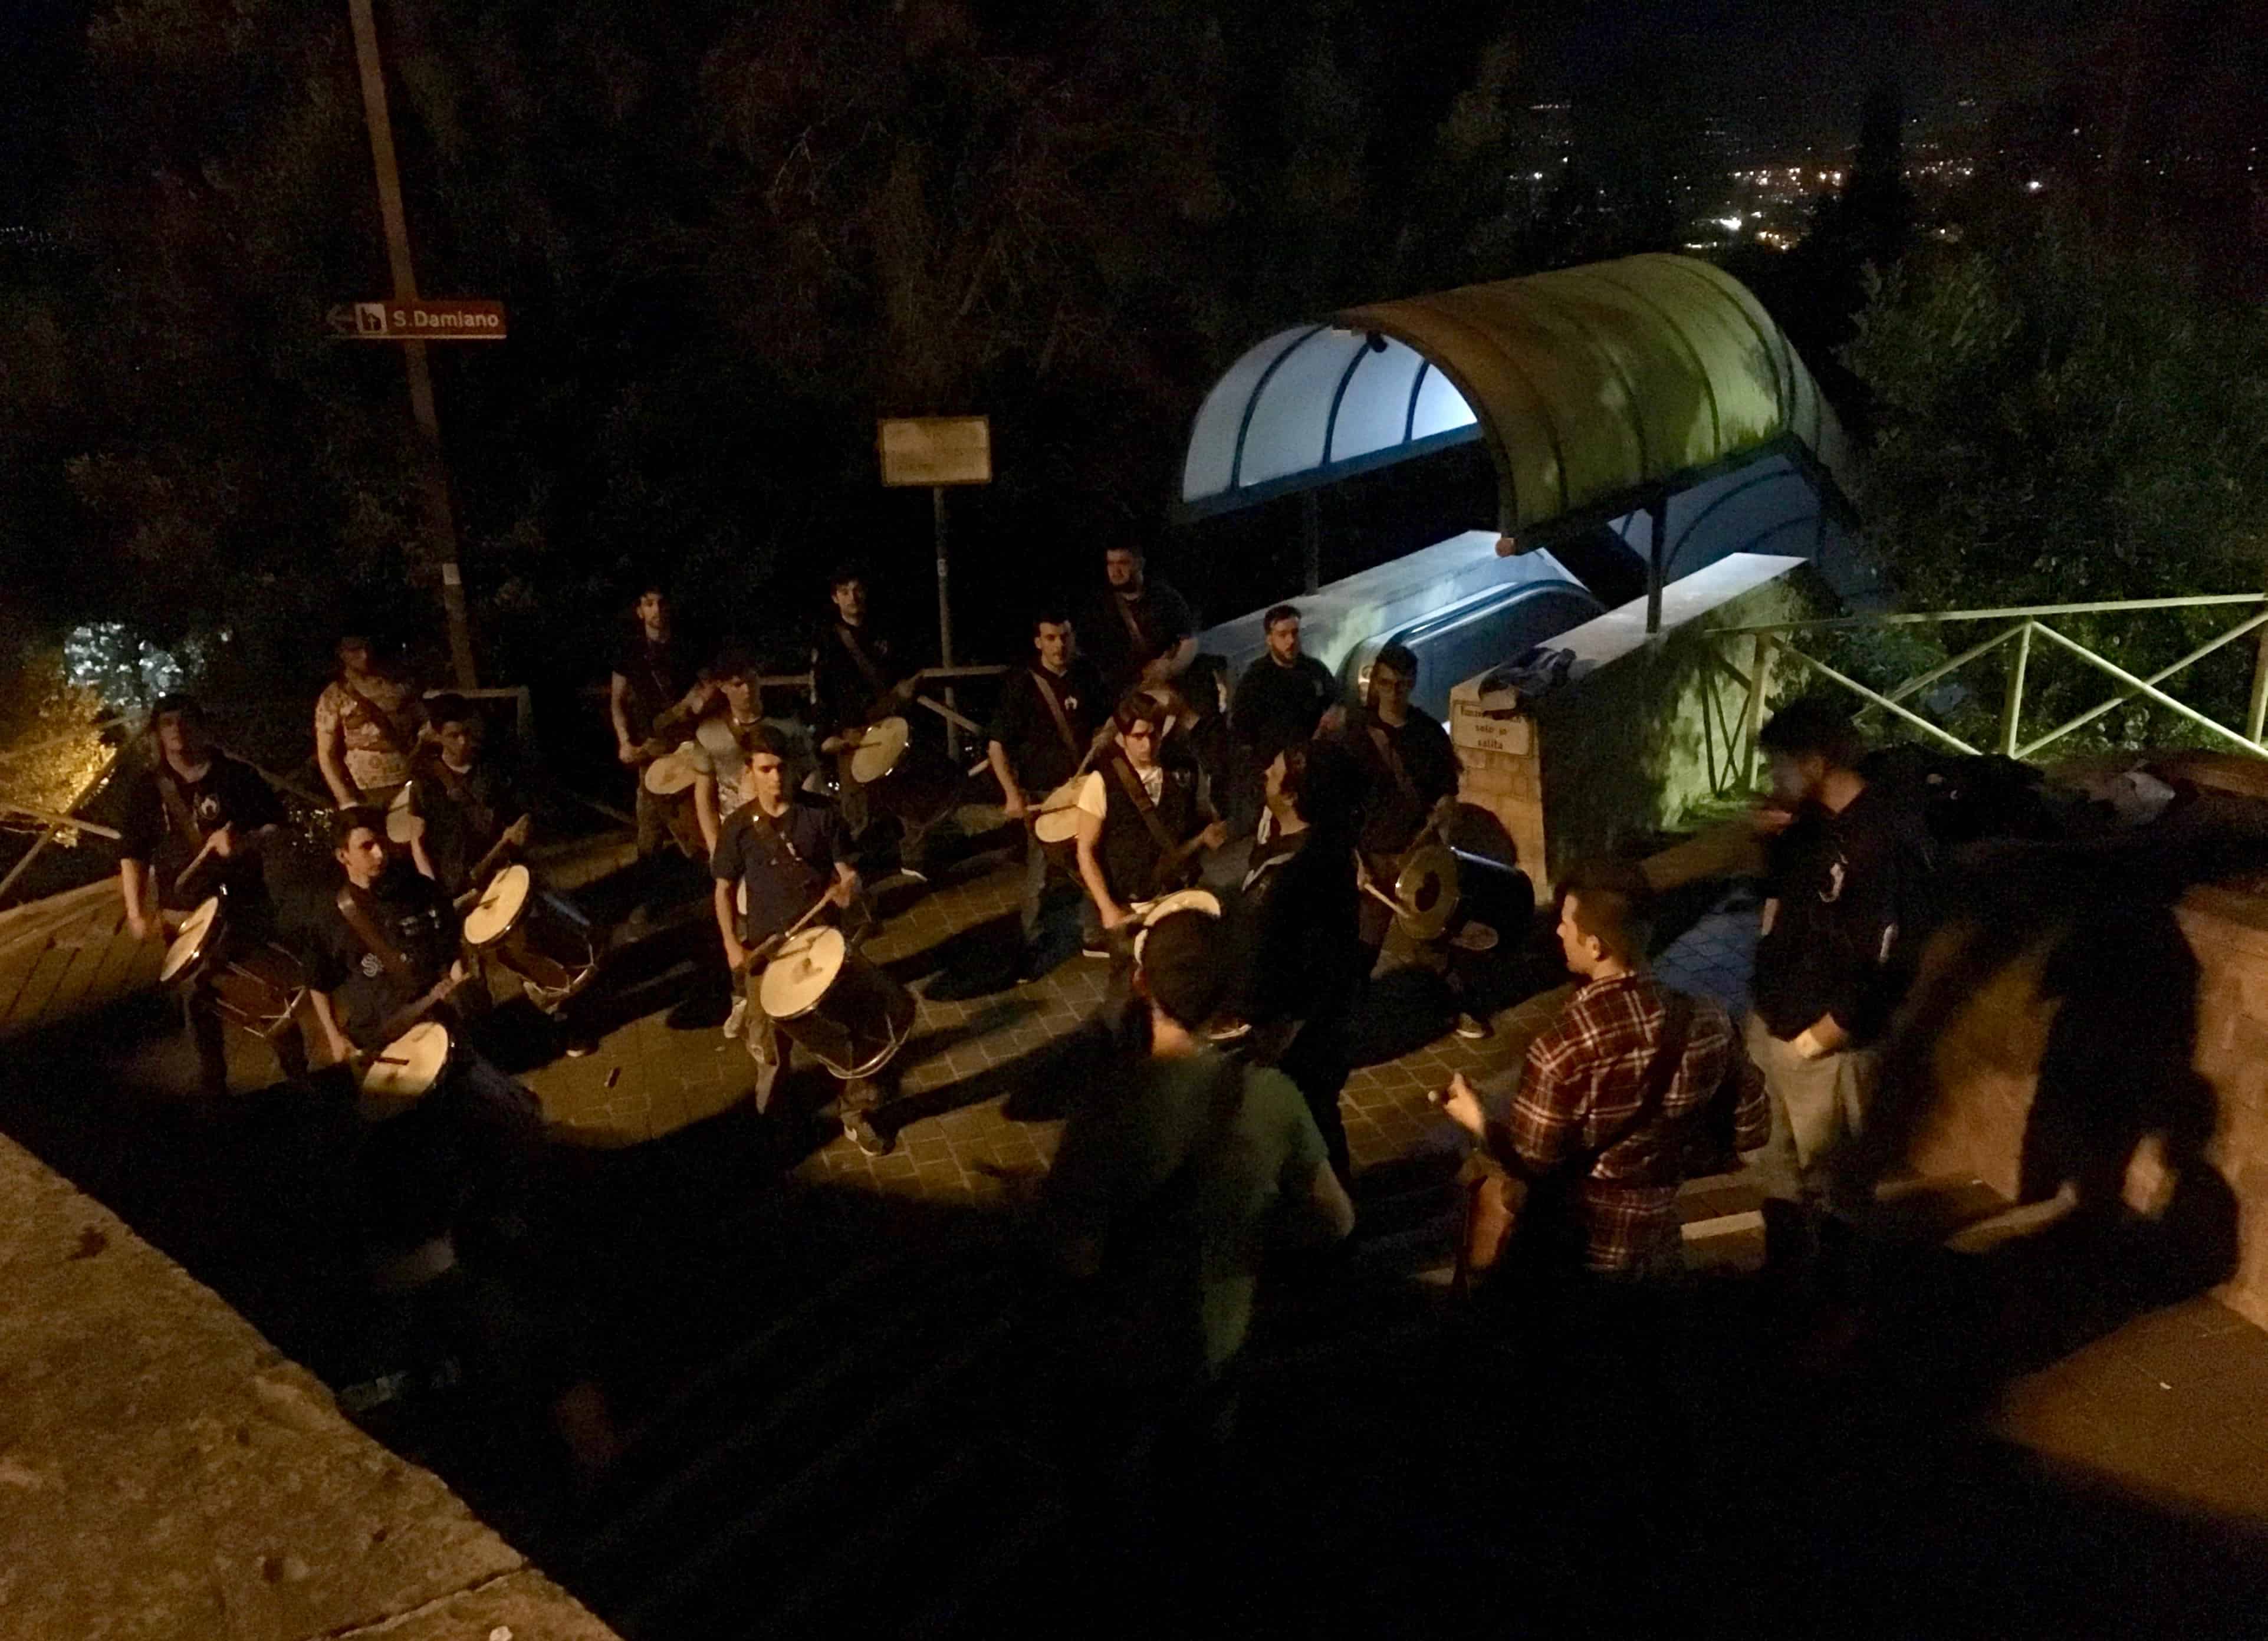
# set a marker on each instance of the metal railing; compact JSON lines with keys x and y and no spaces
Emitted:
{"x":1772,"y":643}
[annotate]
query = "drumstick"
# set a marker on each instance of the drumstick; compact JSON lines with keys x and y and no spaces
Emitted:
{"x":950,"y":715}
{"x":791,"y":931}
{"x":198,"y":860}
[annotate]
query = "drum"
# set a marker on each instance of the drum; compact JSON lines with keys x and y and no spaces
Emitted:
{"x":403,"y":823}
{"x":537,"y":935}
{"x":407,"y":1070}
{"x":1440,"y":890}
{"x":257,"y":988}
{"x":1056,"y":823}
{"x":826,"y":996}
{"x":915,"y":784}
{"x":1151,"y":913}
{"x":672,"y":773}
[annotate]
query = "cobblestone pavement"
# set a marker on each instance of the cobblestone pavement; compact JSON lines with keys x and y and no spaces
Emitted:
{"x":978,"y":1042}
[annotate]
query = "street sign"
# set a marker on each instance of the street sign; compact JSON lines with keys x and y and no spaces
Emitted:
{"x":429,"y":319}
{"x":935,"y":450}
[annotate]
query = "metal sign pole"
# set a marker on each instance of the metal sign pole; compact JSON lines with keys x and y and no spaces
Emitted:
{"x":944,"y":617}
{"x":440,"y":517}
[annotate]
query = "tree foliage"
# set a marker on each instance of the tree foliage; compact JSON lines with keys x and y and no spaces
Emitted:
{"x":2058,"y":422}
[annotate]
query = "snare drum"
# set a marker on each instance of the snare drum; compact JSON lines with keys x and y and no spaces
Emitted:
{"x":1150,"y":914}
{"x":1056,"y":823}
{"x":535,"y":934}
{"x":403,"y":823}
{"x":257,"y":988}
{"x":407,"y":1070}
{"x":915,"y":784}
{"x":826,"y":996}
{"x":672,"y":773}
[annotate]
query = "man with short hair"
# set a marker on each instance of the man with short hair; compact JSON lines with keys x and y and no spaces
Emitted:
{"x":475,"y":815}
{"x":1283,"y":694}
{"x":1846,"y":861}
{"x":367,"y":726}
{"x":1177,"y":1172}
{"x":1040,"y":735}
{"x":785,"y":850}
{"x":196,"y":822}
{"x":721,"y":740}
{"x":1303,"y":957}
{"x":651,"y":696}
{"x":1613,"y":1095}
{"x":1410,"y":774}
{"x":1143,"y":631}
{"x":1141,"y":826}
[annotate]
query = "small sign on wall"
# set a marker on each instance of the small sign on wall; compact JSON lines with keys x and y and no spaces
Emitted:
{"x":1513,"y":734}
{"x":936,"y":450}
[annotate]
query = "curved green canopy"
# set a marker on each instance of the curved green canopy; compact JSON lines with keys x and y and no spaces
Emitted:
{"x":1596,"y":388}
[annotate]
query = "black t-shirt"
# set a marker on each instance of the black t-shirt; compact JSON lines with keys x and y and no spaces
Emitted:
{"x":1279,"y":706}
{"x":1298,"y":930}
{"x":786,"y":864}
{"x":843,"y":695}
{"x":410,"y":911}
{"x":1023,"y":725}
{"x":228,"y":793}
{"x":1840,"y":881}
{"x":657,"y":678}
{"x":464,"y":814}
{"x":1392,"y":816}
{"x":1162,"y":614}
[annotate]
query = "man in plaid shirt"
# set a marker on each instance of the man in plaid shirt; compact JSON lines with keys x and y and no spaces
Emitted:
{"x":1597,"y":1111}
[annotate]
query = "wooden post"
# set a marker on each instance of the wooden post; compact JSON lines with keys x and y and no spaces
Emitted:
{"x":944,"y":617}
{"x":2012,"y":705}
{"x":440,"y":517}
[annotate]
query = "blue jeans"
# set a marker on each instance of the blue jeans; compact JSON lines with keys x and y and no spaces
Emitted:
{"x":1039,"y":872}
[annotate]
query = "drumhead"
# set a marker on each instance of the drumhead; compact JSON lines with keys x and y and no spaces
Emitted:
{"x":1057,"y":820}
{"x":800,"y":972}
{"x":879,"y":751}
{"x":403,"y":824}
{"x":499,"y":907}
{"x":410,"y":1064}
{"x":189,"y":944}
{"x":671,"y":773}
{"x":1153,"y":912}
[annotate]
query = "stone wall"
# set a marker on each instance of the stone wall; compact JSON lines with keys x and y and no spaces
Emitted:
{"x":166,"y":1475}
{"x":1645,"y":727}
{"x":1987,"y":1061}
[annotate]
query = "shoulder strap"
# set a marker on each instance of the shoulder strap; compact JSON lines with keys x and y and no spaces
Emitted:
{"x":358,"y":919}
{"x":1143,"y":807}
{"x":363,"y":709}
{"x":1392,"y":758}
{"x":1046,"y":687}
{"x":177,"y":807}
{"x":1661,"y":1071}
{"x":1134,"y":627}
{"x":857,"y":653}
{"x":775,"y":844}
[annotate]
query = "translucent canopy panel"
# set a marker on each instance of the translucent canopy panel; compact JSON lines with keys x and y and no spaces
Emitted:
{"x":1317,"y":403}
{"x":1594,"y":389}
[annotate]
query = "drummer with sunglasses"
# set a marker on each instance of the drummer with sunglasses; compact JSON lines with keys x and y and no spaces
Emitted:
{"x":195,"y":821}
{"x":787,"y":849}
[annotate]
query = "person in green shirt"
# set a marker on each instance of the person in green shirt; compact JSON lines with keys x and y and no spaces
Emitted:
{"x":1178,"y":1174}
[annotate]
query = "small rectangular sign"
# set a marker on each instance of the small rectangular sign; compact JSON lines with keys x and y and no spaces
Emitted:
{"x":1512,"y":735}
{"x":936,"y":450}
{"x":429,"y":319}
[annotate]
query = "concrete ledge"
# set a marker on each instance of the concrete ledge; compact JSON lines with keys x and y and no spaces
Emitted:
{"x":165,"y":1475}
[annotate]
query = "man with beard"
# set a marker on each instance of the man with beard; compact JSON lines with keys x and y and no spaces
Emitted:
{"x":1143,"y":632}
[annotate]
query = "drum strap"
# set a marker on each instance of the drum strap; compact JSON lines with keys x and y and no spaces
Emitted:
{"x":367,"y":930}
{"x":177,"y":809}
{"x":1135,"y":630}
{"x":363,"y":710}
{"x":1143,"y":807}
{"x":777,"y":851}
{"x":1046,"y":687}
{"x":865,"y":663}
{"x":1392,"y":758}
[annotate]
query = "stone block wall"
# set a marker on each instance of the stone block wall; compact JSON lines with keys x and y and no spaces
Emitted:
{"x":1644,"y":729}
{"x":1987,"y":1072}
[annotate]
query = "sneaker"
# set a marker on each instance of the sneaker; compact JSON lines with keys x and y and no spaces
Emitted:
{"x":1472,"y":1028}
{"x":859,"y":1128}
{"x":737,"y":1018}
{"x":912,"y":876}
{"x":1227,"y":1030}
{"x":1475,"y":937}
{"x":1102,"y":951}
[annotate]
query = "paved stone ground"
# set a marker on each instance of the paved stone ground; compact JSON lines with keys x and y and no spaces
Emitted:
{"x":978,"y":1042}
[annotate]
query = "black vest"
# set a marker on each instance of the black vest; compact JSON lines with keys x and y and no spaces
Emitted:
{"x":1130,"y":853}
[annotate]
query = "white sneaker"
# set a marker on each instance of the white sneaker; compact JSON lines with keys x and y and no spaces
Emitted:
{"x":737,"y":1018}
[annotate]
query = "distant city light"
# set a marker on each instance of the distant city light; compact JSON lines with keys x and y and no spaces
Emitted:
{"x":1731,"y":223}
{"x":2034,"y":186}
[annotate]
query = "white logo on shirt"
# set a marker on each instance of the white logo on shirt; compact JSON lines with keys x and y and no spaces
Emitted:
{"x":1833,"y":892}
{"x":371,"y":966}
